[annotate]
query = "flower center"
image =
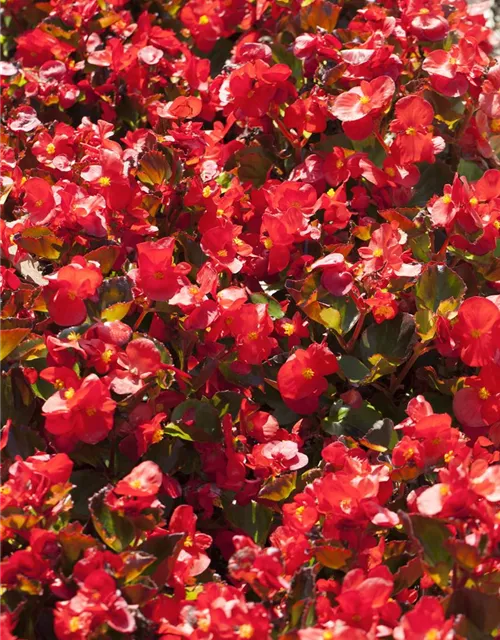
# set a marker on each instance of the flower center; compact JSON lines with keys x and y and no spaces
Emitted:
{"x":74,"y":624}
{"x":246,"y":631}
{"x":308,"y":374}
{"x":345,"y":504}
{"x":104,"y":181}
{"x":107,"y":355}
{"x":50,"y":148}
{"x":408,"y":453}
{"x":483,"y":393}
{"x":363,"y":100}
{"x":69,"y":393}
{"x":253,"y":335}
{"x":476,"y":333}
{"x":159,"y":275}
{"x":378,"y":253}
{"x":410,"y":131}
{"x":204,"y":20}
{"x":495,"y":125}
{"x":288,"y":328}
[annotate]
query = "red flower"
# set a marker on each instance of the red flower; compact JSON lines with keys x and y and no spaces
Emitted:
{"x":489,"y":100}
{"x":251,"y":328}
{"x":140,"y":361}
{"x":306,"y":116}
{"x":109,"y":178}
{"x":426,"y":620}
{"x":223,"y":245}
{"x":68,"y":288}
{"x":39,"y":201}
{"x":277,"y":457}
{"x":478,"y":404}
{"x":143,"y":481}
{"x":383,"y":306}
{"x":362,"y":105}
{"x":477,"y":331}
{"x":80,"y":414}
{"x":412,"y":124}
{"x":451,"y":71}
{"x":336,"y":277}
{"x":301,"y":380}
{"x":98,"y":603}
{"x":159,"y":278}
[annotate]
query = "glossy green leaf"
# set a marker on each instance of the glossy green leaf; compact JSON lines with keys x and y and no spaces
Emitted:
{"x":439,"y":289}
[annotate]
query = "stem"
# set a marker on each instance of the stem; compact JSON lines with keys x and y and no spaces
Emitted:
{"x":419,"y":350}
{"x":381,"y":140}
{"x":144,"y":312}
{"x":352,"y":342}
{"x":286,"y":133}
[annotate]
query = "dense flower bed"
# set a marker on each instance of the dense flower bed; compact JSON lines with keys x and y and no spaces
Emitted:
{"x":251,"y":320}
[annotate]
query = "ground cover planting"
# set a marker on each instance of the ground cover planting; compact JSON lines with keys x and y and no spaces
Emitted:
{"x":250,"y":326}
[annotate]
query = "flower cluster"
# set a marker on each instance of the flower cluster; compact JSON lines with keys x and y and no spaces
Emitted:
{"x":250,"y":324}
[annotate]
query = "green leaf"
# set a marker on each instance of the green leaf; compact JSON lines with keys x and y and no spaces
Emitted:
{"x":86,"y":484}
{"x":439,"y":289}
{"x":155,"y":168}
{"x":135,"y":564}
{"x":365,"y":424}
{"x":432,"y":181}
{"x":41,"y":242}
{"x":392,"y":339}
{"x":12,"y":334}
{"x":426,"y":324}
{"x":470,"y":170}
{"x":407,"y":575}
{"x":18,"y":404}
{"x":254,"y":164}
{"x":421,"y":247}
{"x":480,"y":608}
{"x":432,"y":535}
{"x":273,"y":306}
{"x":165,"y":550}
{"x":116,"y":532}
{"x":353,"y":369}
{"x":113,"y":291}
{"x":339,"y":314}
{"x":105,"y":256}
{"x":253,"y":518}
{"x":175,"y":431}
{"x":279,"y":488}
{"x":206,"y":423}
